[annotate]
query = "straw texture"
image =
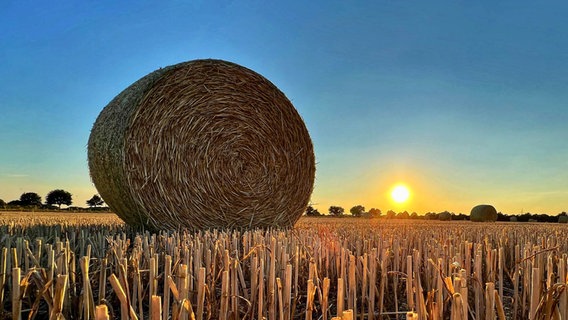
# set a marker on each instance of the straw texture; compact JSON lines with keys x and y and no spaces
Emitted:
{"x":202,"y":144}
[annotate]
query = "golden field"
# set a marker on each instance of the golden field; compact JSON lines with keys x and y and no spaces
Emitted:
{"x":92,"y":266}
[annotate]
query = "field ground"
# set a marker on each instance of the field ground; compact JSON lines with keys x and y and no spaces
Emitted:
{"x":46,"y":217}
{"x":86,"y":264}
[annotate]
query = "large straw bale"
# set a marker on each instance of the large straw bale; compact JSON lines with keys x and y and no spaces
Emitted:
{"x":483,"y":213}
{"x":202,"y":144}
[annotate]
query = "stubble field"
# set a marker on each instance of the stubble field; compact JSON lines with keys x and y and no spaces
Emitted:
{"x":83,"y":266}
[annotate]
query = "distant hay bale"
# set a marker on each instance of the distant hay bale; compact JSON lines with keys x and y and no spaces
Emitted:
{"x":483,"y":213}
{"x":445,"y":216}
{"x":202,"y":144}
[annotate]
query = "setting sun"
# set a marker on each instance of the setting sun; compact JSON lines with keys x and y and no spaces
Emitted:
{"x":400,"y":193}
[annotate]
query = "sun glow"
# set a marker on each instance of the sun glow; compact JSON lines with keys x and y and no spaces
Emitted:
{"x":400,"y":193}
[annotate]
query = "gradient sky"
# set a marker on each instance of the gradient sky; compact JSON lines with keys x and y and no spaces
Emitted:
{"x":466,"y":102}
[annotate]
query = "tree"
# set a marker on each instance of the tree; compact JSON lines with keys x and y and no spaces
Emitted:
{"x":357,"y":210}
{"x":460,"y":216}
{"x":2,"y":203}
{"x":414,"y":215}
{"x":336,"y":211}
{"x":14,"y":203}
{"x":95,"y":201}
{"x":431,"y":216}
{"x":310,"y":211}
{"x":30,"y":199}
{"x":59,"y":197}
{"x":502,"y":217}
{"x":403,"y":215}
{"x":375,"y":213}
{"x":391,"y":214}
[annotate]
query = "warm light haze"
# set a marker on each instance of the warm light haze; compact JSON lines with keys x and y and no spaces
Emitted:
{"x":400,"y":193}
{"x":464,"y":102}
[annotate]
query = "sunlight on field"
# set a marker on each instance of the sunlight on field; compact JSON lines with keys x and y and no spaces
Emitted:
{"x":370,"y":268}
{"x":53,"y":218}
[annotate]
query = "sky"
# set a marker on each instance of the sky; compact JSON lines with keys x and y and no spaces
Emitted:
{"x":464,"y":102}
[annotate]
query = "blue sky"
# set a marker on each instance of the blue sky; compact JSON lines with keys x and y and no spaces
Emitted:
{"x":464,"y":102}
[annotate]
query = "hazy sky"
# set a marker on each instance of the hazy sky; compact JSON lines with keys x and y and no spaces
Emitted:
{"x":466,"y":102}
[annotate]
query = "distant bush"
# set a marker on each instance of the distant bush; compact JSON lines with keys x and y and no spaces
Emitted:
{"x":76,"y":209}
{"x":100,"y":209}
{"x":48,"y":207}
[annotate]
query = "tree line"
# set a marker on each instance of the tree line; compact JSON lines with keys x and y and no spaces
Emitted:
{"x":359,"y":211}
{"x":54,"y":199}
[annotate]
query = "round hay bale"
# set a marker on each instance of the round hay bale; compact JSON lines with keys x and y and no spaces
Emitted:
{"x":483,"y":213}
{"x":202,"y":144}
{"x":445,"y":216}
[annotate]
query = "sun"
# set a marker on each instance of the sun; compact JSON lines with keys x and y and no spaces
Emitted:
{"x":400,"y":193}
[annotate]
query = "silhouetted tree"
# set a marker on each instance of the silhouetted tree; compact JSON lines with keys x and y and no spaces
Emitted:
{"x":95,"y":201}
{"x":529,"y":217}
{"x":2,"y":203}
{"x":336,"y":211}
{"x":502,"y":217}
{"x":357,"y":210}
{"x":403,"y":215}
{"x":310,"y":211}
{"x":59,"y":197}
{"x":545,"y":218}
{"x":431,"y":216}
{"x":375,"y":213}
{"x":525,"y":217}
{"x":459,"y":216}
{"x":391,"y":214}
{"x":30,"y":199}
{"x":414,"y":215}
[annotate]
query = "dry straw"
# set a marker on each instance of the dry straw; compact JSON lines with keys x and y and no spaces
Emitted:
{"x":202,"y":144}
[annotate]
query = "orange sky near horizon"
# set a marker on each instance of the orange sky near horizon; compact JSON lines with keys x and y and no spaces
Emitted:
{"x":432,"y":193}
